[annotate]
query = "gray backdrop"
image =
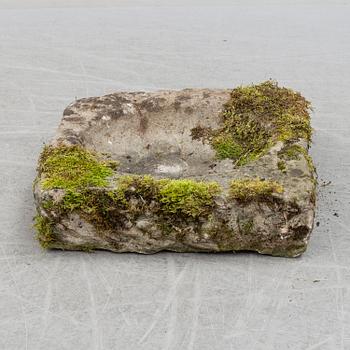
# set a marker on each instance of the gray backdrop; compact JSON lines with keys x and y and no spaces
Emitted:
{"x":52,"y":52}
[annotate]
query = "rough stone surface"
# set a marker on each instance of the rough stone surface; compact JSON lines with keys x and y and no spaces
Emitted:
{"x":150,"y":133}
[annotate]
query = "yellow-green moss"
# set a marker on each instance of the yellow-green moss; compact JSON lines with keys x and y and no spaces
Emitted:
{"x":281,"y":164}
{"x":292,"y":127}
{"x":252,"y":138}
{"x":226,"y":147}
{"x":254,"y":118}
{"x":73,"y":167}
{"x":144,"y":187}
{"x":74,"y":200}
{"x":267,"y":101}
{"x":44,"y":228}
{"x":81,"y":174}
{"x":134,"y":195}
{"x":224,"y":235}
{"x":246,"y":226}
{"x":254,"y":189}
{"x":295,"y":152}
{"x":187,"y":197}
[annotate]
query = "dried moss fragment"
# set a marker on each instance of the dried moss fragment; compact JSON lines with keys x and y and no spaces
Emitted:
{"x":201,"y":133}
{"x":254,"y":189}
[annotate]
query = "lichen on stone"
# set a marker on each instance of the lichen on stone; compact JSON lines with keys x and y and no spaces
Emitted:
{"x":254,"y":189}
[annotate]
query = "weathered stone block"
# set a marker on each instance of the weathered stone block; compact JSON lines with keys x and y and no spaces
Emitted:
{"x":196,"y":170}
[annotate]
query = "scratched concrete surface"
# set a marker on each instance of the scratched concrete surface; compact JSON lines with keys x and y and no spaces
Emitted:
{"x":50,"y":54}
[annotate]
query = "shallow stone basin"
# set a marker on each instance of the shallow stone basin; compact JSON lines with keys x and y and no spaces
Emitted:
{"x":190,"y":170}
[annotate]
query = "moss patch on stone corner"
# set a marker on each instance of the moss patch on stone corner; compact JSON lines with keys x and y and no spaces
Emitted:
{"x":75,"y":170}
{"x":73,"y":167}
{"x":44,"y":228}
{"x":83,"y":176}
{"x":292,"y":127}
{"x":254,"y":118}
{"x":254,"y":189}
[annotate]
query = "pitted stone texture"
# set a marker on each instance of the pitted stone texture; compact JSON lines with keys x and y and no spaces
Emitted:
{"x":150,"y":133}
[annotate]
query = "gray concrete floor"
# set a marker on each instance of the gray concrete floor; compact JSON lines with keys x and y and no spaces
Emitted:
{"x":50,"y":54}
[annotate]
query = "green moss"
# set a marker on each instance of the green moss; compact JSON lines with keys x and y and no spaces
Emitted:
{"x":267,"y":101}
{"x":281,"y":164}
{"x":246,"y":226}
{"x":187,"y":197}
{"x":145,"y":188}
{"x":74,"y":200}
{"x":165,"y":227}
{"x":254,"y":189}
{"x":313,"y":194}
{"x":72,"y":167}
{"x":47,"y":204}
{"x":292,"y":151}
{"x":226,"y":147}
{"x":224,"y":236}
{"x":292,"y":127}
{"x":44,"y":228}
{"x":254,"y":118}
{"x":88,"y":247}
{"x":252,"y":138}
{"x":296,"y":152}
{"x":133,"y":195}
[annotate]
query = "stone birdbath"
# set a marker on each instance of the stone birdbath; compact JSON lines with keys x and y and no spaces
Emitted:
{"x":196,"y":170}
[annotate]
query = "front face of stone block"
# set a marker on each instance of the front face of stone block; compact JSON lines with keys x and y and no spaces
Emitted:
{"x":191,"y":170}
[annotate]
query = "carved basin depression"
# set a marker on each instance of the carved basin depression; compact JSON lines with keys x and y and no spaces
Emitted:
{"x":195,"y":170}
